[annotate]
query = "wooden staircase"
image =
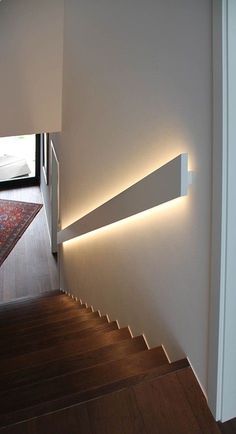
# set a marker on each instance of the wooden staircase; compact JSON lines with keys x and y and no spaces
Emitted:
{"x":67,"y":370}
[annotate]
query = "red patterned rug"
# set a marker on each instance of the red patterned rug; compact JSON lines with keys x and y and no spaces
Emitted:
{"x":15,"y":217}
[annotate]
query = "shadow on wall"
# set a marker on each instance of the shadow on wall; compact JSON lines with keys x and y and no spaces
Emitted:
{"x":126,"y":248}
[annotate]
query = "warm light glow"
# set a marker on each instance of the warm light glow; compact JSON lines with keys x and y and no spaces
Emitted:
{"x":141,"y":218}
{"x":178,"y":146}
{"x":163,"y":185}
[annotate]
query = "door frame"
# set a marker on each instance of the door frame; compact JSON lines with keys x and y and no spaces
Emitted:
{"x":54,"y":197}
{"x":222,"y":318}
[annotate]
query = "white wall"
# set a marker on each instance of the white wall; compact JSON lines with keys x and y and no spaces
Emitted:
{"x":31,"y":35}
{"x":229,"y":347}
{"x":137,"y":92}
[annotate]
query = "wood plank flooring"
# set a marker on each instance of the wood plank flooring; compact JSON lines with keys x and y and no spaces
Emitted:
{"x":30,"y":268}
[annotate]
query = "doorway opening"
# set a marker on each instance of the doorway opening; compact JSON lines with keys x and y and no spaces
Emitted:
{"x":19,"y":161}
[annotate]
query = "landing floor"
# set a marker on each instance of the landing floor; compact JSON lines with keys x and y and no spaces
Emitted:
{"x":30,"y":268}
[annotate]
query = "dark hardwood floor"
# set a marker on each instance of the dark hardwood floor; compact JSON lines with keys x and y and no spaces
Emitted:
{"x":30,"y":268}
{"x":228,"y":427}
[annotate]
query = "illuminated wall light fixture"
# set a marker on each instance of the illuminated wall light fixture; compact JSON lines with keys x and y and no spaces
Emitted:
{"x":164,"y":184}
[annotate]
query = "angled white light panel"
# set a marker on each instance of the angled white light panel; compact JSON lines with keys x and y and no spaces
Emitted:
{"x":164,"y":184}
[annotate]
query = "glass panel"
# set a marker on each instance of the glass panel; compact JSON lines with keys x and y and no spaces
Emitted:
{"x":17,"y":157}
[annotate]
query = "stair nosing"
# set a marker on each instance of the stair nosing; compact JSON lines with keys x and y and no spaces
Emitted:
{"x":81,"y":325}
{"x":92,"y":393}
{"x":123,"y":357}
{"x":84,"y":341}
{"x":101,"y":329}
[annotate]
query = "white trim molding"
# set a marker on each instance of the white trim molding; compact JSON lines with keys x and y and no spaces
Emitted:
{"x":222,"y":320}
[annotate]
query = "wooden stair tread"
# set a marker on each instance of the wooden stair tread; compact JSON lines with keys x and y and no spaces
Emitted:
{"x":54,"y":341}
{"x":43,"y":329}
{"x":32,"y":315}
{"x":57,"y":352}
{"x":157,"y":406}
{"x":30,"y":401}
{"x":32,"y":303}
{"x":164,"y":402}
{"x":14,"y":342}
{"x":58,"y":303}
{"x":197,"y":401}
{"x":73,"y":363}
{"x":71,"y":313}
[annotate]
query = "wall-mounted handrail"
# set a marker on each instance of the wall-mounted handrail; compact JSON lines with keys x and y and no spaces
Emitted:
{"x":164,"y":184}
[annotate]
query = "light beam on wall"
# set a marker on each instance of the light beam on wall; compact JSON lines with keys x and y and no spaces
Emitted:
{"x":164,"y":184}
